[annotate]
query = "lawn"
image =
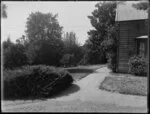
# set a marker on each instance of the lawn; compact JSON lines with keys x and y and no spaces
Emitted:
{"x":125,"y":84}
{"x":80,"y":72}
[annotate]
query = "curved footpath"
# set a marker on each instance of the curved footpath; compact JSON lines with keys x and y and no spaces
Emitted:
{"x":85,"y":96}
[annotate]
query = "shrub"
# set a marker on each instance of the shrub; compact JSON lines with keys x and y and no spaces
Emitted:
{"x":138,"y":65}
{"x":35,"y":81}
{"x":112,"y":61}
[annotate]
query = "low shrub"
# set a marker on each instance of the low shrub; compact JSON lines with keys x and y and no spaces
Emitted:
{"x":138,"y":65}
{"x":35,"y":81}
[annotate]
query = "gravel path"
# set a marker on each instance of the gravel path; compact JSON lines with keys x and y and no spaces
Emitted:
{"x":84,"y":96}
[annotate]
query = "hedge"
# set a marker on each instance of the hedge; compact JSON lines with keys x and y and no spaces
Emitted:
{"x":35,"y":81}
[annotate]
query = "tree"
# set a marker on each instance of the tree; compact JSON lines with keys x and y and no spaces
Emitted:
{"x":72,"y":47}
{"x":42,"y":26}
{"x":103,"y":38}
{"x":143,"y":5}
{"x":4,"y":13}
{"x":44,"y":37}
{"x":14,"y":54}
{"x":103,"y":20}
{"x":67,"y":59}
{"x":22,"y":40}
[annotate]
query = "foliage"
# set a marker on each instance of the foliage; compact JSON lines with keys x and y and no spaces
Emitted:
{"x":110,"y":47}
{"x":67,"y":59}
{"x":102,"y":39}
{"x":138,"y":65}
{"x":94,"y":54}
{"x":112,"y":61}
{"x":142,"y":5}
{"x":13,"y":54}
{"x":72,"y":50}
{"x":35,"y":81}
{"x":84,"y":60}
{"x":42,"y":26}
{"x":44,"y":36}
{"x":3,"y":12}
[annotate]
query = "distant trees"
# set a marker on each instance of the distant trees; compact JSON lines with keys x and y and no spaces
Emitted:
{"x":67,"y":60}
{"x":72,"y":51}
{"x":42,"y":44}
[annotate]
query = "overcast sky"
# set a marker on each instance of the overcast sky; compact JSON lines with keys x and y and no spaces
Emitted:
{"x":71,"y":15}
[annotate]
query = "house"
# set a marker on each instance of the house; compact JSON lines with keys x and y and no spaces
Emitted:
{"x":132,"y":34}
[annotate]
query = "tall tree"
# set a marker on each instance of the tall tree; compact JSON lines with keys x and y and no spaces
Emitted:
{"x":3,"y":15}
{"x":42,"y":26}
{"x":3,"y":12}
{"x":44,"y":36}
{"x":103,"y":20}
{"x":102,"y":42}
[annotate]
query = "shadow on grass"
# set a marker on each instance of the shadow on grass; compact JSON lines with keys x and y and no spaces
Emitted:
{"x":79,"y":70}
{"x":70,"y":90}
{"x":23,"y":98}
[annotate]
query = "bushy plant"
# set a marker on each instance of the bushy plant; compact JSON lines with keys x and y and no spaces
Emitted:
{"x":138,"y":65}
{"x":35,"y":81}
{"x":112,"y":63}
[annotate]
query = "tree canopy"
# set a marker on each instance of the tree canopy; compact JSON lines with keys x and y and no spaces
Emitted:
{"x":44,"y":36}
{"x":72,"y":51}
{"x":143,"y":5}
{"x":42,"y":26}
{"x":3,"y":12}
{"x":103,"y":22}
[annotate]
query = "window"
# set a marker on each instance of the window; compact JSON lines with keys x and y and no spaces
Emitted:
{"x":142,"y":47}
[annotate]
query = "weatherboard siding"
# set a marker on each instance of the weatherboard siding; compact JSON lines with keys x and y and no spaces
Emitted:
{"x":128,"y":31}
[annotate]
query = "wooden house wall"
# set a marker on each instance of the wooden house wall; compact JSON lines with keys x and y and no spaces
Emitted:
{"x":128,"y":31}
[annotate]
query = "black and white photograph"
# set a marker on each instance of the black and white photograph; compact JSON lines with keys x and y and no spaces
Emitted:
{"x":75,"y":56}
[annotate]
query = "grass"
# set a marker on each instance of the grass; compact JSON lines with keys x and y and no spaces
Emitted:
{"x":125,"y":85}
{"x":80,"y":72}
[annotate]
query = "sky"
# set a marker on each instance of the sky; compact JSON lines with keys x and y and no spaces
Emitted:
{"x":71,"y":15}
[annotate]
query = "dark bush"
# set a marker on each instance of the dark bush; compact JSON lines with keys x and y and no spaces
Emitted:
{"x":35,"y":81}
{"x":138,"y":65}
{"x":112,"y":61}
